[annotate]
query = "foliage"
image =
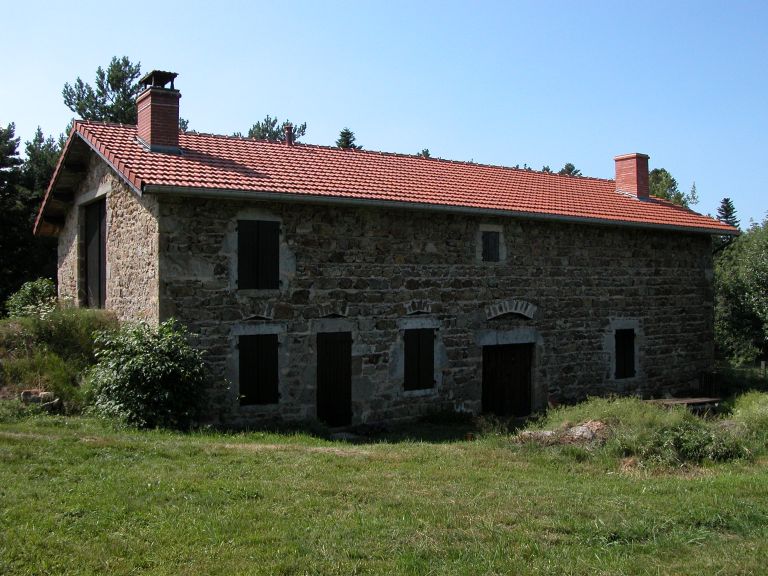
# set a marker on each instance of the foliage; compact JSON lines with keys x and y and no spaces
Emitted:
{"x":726,"y":213}
{"x":546,"y":169}
{"x":148,"y":377}
{"x":24,"y":256}
{"x":346,"y":140}
{"x":42,"y":154}
{"x":34,"y":298}
{"x":272,"y":129}
{"x":663,"y":185}
{"x":424,"y":153}
{"x":741,"y":296}
{"x":113,"y":99}
{"x":569,"y":170}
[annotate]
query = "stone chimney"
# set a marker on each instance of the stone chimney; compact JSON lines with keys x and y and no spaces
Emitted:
{"x":632,"y":174}
{"x":158,"y":112}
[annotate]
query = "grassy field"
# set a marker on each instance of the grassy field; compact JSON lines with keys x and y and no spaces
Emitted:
{"x":80,"y":497}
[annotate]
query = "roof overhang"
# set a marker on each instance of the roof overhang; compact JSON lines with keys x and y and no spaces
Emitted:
{"x":67,"y":176}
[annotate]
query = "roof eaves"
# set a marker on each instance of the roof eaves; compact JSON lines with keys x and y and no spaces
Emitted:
{"x":347,"y":201}
{"x":54,"y":179}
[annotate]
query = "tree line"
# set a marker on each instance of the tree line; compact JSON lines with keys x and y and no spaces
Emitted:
{"x":741,"y":264}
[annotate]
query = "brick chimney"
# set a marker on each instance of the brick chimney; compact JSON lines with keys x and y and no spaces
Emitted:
{"x":288,"y":134}
{"x":632,"y":174}
{"x":158,"y":112}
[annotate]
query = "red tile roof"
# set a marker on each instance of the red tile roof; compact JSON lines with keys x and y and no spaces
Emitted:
{"x":221,"y":163}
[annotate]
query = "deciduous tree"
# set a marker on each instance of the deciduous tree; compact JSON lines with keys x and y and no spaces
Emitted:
{"x":741,"y":296}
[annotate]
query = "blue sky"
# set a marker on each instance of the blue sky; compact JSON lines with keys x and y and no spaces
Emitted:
{"x":505,"y":83}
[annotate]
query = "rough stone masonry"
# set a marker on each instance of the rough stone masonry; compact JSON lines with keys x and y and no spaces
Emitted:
{"x":375,"y":272}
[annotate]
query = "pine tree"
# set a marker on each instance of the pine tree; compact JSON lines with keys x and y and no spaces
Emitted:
{"x":272,"y":129}
{"x":424,"y":153}
{"x":114,"y":97}
{"x":569,"y":170}
{"x":727,"y":213}
{"x":24,"y":257}
{"x":347,"y":140}
{"x":663,"y":185}
{"x":42,"y":154}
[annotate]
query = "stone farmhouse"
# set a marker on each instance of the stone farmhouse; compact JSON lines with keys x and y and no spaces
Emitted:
{"x":354,"y":286}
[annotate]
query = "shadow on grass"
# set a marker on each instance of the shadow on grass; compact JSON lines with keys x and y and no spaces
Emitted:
{"x":434,"y":428}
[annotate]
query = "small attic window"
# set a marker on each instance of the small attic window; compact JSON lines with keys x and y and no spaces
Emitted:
{"x":489,"y":242}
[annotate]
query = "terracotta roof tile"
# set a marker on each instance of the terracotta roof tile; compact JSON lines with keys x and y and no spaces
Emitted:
{"x":222,"y":163}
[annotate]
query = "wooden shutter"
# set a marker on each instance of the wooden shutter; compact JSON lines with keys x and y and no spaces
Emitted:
{"x":269,"y":255}
{"x":490,"y":246}
{"x":247,"y":262}
{"x":625,"y":353}
{"x":258,"y":375}
{"x":258,"y":254}
{"x":96,"y":254}
{"x":419,"y":358}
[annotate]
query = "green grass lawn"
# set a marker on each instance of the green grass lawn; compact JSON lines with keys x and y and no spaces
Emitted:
{"x":80,"y":497}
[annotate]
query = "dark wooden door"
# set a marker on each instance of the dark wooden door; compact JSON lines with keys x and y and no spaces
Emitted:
{"x":334,"y":378}
{"x":96,"y":254}
{"x":507,"y":379}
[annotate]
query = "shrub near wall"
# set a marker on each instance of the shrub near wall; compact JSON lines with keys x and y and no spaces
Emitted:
{"x":149,"y":377}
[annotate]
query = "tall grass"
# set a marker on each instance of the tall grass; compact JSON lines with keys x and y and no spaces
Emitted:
{"x":51,"y":352}
{"x":654,"y":434}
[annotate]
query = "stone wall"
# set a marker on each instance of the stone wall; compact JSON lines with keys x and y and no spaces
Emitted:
{"x":132,"y":246}
{"x":376,"y":272}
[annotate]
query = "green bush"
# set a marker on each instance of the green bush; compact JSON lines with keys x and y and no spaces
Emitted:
{"x":148,"y":377}
{"x":35,"y":298}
